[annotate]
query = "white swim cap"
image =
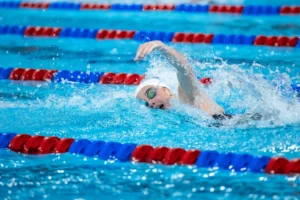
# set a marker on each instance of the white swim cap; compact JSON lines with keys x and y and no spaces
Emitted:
{"x":148,"y":82}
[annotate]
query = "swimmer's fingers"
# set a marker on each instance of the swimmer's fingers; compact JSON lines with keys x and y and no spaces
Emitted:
{"x":152,"y":46}
{"x":142,"y":51}
{"x":138,"y":53}
{"x":147,"y":49}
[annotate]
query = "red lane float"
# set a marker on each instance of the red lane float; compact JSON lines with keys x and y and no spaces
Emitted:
{"x":276,"y":41}
{"x":49,"y":75}
{"x":27,"y":74}
{"x":157,"y":155}
{"x":190,"y":157}
{"x":276,"y":165}
{"x":27,"y":144}
{"x":38,"y":75}
{"x":293,"y":167}
{"x":18,"y":142}
{"x":141,"y":153}
{"x":119,"y":78}
{"x":122,"y":78}
{"x":48,"y":145}
{"x":164,"y":155}
{"x":32,"y":144}
{"x":206,"y":81}
{"x":290,"y":10}
{"x":93,"y":6}
{"x":107,"y":78}
{"x":63,"y":145}
{"x":114,"y":34}
{"x":270,"y":41}
{"x":32,"y":74}
{"x":133,"y":79}
{"x":37,"y":5}
{"x":16,"y":74}
{"x":174,"y":156}
{"x":285,"y":41}
{"x":202,"y":38}
{"x":226,"y":9}
{"x":51,"y":32}
{"x":42,"y":31}
{"x":260,"y":40}
{"x":291,"y":42}
{"x":192,"y":38}
{"x":164,"y":7}
{"x":178,"y":37}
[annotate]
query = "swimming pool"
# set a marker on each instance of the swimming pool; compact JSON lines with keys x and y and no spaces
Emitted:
{"x":244,"y":79}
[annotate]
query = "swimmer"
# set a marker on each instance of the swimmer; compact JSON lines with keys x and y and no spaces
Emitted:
{"x":157,"y":94}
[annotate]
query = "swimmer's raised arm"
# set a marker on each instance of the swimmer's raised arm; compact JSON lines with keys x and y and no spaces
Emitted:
{"x":175,"y":58}
{"x":185,"y":74}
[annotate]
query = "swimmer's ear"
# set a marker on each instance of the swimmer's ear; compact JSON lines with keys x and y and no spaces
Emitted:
{"x":169,"y":91}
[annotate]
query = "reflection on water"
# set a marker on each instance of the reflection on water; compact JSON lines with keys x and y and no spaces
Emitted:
{"x":71,"y":176}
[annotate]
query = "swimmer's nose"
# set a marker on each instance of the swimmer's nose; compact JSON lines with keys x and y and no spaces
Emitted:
{"x":151,"y":104}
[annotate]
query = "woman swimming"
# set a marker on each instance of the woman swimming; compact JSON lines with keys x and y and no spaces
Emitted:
{"x":157,"y":94}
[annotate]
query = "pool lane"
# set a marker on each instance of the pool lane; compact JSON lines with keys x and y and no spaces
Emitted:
{"x":158,"y":21}
{"x":117,"y":56}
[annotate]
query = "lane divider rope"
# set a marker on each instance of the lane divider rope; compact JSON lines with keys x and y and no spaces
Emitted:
{"x":145,"y":36}
{"x":57,"y":76}
{"x":22,"y":74}
{"x":253,"y":10}
{"x":130,"y":152}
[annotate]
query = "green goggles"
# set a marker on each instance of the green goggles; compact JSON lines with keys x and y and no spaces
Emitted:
{"x":151,"y":92}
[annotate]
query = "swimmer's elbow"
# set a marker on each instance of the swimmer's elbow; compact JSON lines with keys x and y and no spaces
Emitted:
{"x":217,"y":110}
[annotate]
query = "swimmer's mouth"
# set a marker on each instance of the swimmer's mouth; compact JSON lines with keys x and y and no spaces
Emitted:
{"x":162,"y":106}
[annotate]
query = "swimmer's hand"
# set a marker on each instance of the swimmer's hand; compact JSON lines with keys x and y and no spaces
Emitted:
{"x":147,"y":48}
{"x":174,"y":57}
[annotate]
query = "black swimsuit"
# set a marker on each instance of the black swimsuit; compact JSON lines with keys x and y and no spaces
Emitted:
{"x":220,"y":117}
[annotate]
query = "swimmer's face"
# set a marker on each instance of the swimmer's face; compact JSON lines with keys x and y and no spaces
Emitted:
{"x":161,"y":99}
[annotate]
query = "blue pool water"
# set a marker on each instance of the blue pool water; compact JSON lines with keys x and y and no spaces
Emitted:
{"x":247,"y":79}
